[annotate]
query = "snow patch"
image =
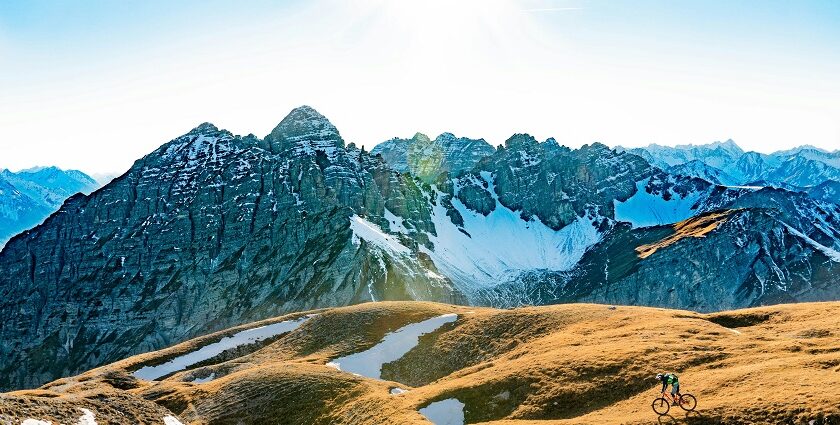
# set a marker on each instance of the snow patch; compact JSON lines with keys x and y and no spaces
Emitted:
{"x":247,"y":336}
{"x":498,"y":247}
{"x":645,"y":209}
{"x":87,"y":418}
{"x":444,"y":412}
{"x":828,"y":252}
{"x":171,"y":420}
{"x":753,"y":188}
{"x":369,"y":363}
{"x":397,"y":391}
{"x":396,"y":223}
{"x":208,"y":378}
{"x":363,"y":229}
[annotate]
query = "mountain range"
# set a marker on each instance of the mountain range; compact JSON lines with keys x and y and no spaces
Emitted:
{"x":213,"y":230}
{"x":27,"y":197}
{"x":726,"y":163}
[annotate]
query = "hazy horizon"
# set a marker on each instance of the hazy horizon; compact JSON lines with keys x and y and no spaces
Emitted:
{"x":95,"y":86}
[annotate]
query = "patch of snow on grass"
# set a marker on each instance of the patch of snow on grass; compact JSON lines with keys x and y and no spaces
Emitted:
{"x":363,"y":229}
{"x":397,"y":391}
{"x":247,"y":336}
{"x":444,"y":412}
{"x":208,"y":378}
{"x":369,"y":363}
{"x":501,"y":245}
{"x":644,"y":209}
{"x":171,"y":420}
{"x":87,"y":418}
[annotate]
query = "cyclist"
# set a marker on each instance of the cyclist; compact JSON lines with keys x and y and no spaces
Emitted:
{"x":672,"y":380}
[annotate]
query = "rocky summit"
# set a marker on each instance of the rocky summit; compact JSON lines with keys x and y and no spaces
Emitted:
{"x":428,"y":159}
{"x":213,"y":230}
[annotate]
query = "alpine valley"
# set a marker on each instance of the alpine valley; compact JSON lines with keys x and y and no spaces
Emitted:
{"x":214,"y":230}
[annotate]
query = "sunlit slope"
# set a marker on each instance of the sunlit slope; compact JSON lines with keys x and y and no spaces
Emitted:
{"x":564,"y":364}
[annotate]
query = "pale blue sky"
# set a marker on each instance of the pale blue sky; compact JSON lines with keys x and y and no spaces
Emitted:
{"x":95,"y":85}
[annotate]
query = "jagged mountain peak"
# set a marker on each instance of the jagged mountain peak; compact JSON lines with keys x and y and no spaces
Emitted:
{"x":427,"y":159}
{"x":204,"y":129}
{"x":304,"y":124}
{"x":519,"y":140}
{"x":728,"y":143}
{"x":596,"y":146}
{"x":446,"y":136}
{"x":421,"y":138}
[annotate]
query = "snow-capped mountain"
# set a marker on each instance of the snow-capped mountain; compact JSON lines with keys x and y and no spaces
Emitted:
{"x":717,"y":154}
{"x":728,"y":164}
{"x":17,"y":211}
{"x":698,"y":168}
{"x":27,"y":197}
{"x":213,"y":229}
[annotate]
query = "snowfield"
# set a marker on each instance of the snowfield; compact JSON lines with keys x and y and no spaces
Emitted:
{"x":363,"y":229}
{"x":369,"y":363}
{"x":502,"y":245}
{"x":445,"y":412}
{"x":395,"y":223}
{"x":644,"y":209}
{"x":247,"y":336}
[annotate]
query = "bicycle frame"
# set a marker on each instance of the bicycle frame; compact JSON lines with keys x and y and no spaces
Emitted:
{"x":668,"y":396}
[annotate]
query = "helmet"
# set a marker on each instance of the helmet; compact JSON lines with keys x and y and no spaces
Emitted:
{"x":659,"y":376}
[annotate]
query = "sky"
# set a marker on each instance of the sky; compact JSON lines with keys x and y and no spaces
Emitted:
{"x":96,"y":84}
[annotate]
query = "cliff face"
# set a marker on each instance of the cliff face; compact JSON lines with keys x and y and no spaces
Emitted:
{"x":213,"y":230}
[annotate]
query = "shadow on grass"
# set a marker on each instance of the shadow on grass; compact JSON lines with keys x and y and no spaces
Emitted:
{"x":689,"y":418}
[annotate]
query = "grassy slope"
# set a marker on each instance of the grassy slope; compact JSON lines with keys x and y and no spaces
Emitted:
{"x":565,"y":364}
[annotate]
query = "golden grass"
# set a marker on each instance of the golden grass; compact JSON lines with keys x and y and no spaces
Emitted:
{"x":564,"y":364}
{"x":695,"y":227}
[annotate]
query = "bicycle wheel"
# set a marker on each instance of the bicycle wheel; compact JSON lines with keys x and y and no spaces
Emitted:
{"x":688,"y":402}
{"x":661,"y":406}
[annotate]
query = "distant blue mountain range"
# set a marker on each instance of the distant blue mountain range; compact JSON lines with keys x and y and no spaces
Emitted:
{"x":27,"y":197}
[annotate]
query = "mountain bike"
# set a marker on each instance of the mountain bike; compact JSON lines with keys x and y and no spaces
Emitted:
{"x":663,"y":404}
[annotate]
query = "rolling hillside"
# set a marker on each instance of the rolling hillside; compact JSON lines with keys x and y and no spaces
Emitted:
{"x":411,"y":362}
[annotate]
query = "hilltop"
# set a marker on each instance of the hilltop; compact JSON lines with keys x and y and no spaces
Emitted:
{"x":561,"y":364}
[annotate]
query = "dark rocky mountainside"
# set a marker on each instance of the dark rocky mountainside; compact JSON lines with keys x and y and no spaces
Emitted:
{"x":209,"y":230}
{"x":427,"y":159}
{"x":213,"y":230}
